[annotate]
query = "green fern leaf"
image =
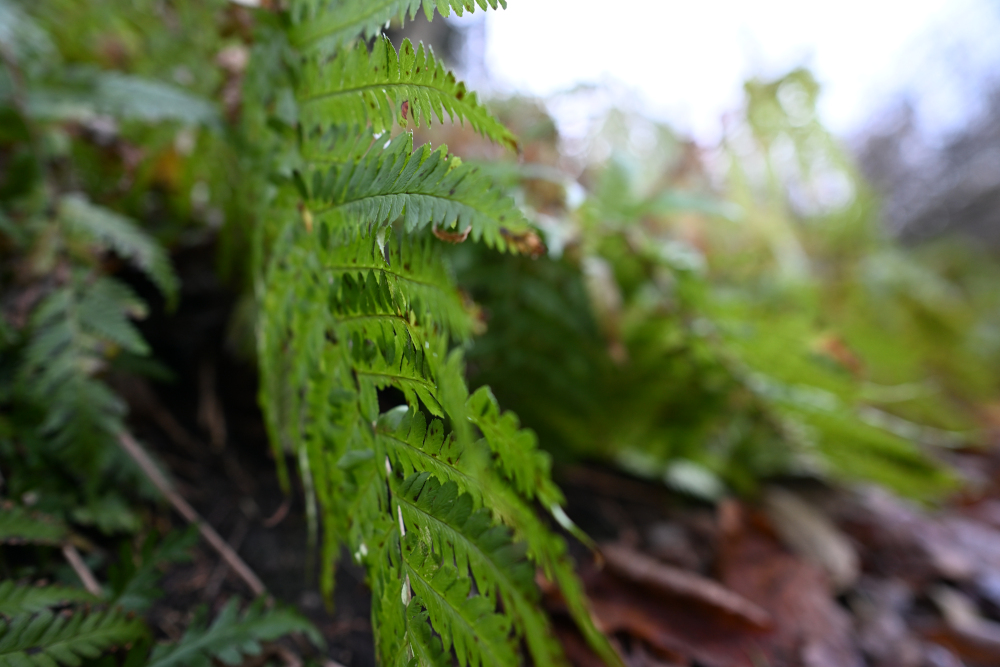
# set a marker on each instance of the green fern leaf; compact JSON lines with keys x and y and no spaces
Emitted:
{"x":520,"y":460}
{"x":19,"y":525}
{"x":46,"y":639}
{"x":326,"y":25}
{"x":384,"y":86}
{"x":424,"y":187}
{"x":83,"y":94}
{"x":17,"y":600}
{"x":133,"y":580}
{"x":472,"y":541}
{"x":355,"y":298}
{"x":469,"y":623}
{"x":62,"y":355}
{"x":120,"y":234}
{"x":104,"y":310}
{"x":426,"y":647}
{"x":232,"y":636}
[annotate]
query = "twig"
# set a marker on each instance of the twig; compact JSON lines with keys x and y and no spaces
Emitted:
{"x":210,"y":413}
{"x":140,"y":456}
{"x":236,"y":539}
{"x":279,"y":514}
{"x":86,"y":576}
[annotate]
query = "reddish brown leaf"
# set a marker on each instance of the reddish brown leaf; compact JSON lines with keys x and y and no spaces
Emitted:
{"x":671,"y":581}
{"x":810,"y":628}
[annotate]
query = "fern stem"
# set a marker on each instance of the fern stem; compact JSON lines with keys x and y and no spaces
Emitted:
{"x":371,"y":267}
{"x":86,"y":576}
{"x":395,"y":377}
{"x":360,"y":89}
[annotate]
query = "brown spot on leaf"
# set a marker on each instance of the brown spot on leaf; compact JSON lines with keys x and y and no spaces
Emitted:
{"x":451,"y":237}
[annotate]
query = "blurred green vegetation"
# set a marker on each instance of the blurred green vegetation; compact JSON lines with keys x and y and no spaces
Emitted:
{"x":118,"y":140}
{"x":714,"y":318}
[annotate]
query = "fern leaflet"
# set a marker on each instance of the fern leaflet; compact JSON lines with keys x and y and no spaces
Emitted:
{"x":423,"y":187}
{"x":100,"y":225}
{"x":16,"y":600}
{"x":384,"y":86}
{"x":232,"y":636}
{"x":18,"y":525}
{"x":47,"y":639}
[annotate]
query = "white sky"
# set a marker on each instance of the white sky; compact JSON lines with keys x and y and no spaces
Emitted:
{"x":686,"y":61}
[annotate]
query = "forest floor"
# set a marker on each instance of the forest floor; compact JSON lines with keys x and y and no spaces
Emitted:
{"x":807,"y":574}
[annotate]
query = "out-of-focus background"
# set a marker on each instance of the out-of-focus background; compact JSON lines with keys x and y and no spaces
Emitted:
{"x":910,"y":87}
{"x":821,"y":185}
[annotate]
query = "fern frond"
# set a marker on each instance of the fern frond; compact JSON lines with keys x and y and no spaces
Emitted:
{"x":351,"y":304}
{"x":97,"y":224}
{"x":412,"y":268}
{"x":232,"y":636}
{"x":17,"y":600}
{"x":382,"y":86}
{"x":104,"y":311}
{"x":425,"y":187}
{"x":46,"y":639}
{"x":415,"y":446}
{"x":64,"y":352}
{"x":134,"y":584}
{"x":20,"y":525}
{"x":326,"y":25}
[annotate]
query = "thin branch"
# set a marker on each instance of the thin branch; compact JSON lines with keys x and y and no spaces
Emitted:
{"x":139,"y":455}
{"x":86,"y":576}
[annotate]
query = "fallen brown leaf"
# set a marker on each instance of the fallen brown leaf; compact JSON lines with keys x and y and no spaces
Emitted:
{"x":671,"y":581}
{"x":810,"y":628}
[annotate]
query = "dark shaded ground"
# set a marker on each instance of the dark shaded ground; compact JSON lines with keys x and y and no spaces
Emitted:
{"x":205,"y":426}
